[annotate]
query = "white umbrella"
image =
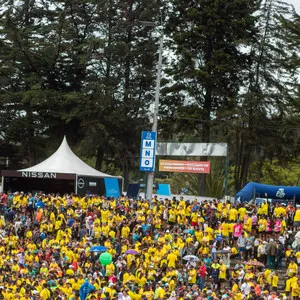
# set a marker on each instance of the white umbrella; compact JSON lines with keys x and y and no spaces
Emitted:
{"x":191,"y":257}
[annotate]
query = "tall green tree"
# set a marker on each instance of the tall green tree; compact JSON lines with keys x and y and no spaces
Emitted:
{"x":80,"y":68}
{"x":207,"y":41}
{"x":263,"y":125}
{"x":122,"y":75}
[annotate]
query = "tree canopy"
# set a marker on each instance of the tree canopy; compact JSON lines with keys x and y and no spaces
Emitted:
{"x":87,"y":70}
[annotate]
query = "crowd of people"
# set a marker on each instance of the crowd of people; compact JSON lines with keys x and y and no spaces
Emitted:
{"x":161,"y":249}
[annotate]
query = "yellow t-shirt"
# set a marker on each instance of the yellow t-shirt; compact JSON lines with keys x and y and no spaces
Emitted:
{"x":233,"y":213}
{"x":242,"y":211}
{"x":171,"y":260}
{"x":292,"y":268}
{"x":288,"y":285}
{"x":295,"y":289}
{"x":275,"y":281}
{"x":192,"y":276}
{"x":222,"y":274}
{"x":45,"y":294}
{"x":262,"y":225}
{"x":297,"y":216}
{"x":225,"y":229}
{"x":264,"y":208}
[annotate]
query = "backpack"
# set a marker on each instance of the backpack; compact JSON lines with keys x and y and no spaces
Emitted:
{"x":280,"y":251}
{"x":9,"y":201}
{"x":267,"y":249}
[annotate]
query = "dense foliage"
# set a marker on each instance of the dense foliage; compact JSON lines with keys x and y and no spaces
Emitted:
{"x":87,"y":70}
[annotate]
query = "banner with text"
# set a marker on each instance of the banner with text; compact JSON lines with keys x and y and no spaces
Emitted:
{"x":184,"y":166}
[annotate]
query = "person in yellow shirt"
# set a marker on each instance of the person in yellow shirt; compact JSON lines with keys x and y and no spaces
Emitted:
{"x":125,"y":231}
{"x":267,"y":276}
{"x":219,"y":208}
{"x":296,"y":289}
{"x":249,"y":274}
{"x":210,"y":232}
{"x":262,"y":226}
{"x":206,"y":238}
{"x":222,"y":273}
{"x":296,"y":225}
{"x":235,"y":287}
{"x":149,"y":294}
{"x":215,"y":269}
{"x":242,"y":212}
{"x":172,"y":215}
{"x":45,"y":292}
{"x":199,"y":235}
{"x":110,"y":269}
{"x":289,"y":255}
{"x":192,"y":276}
{"x":264,"y":208}
{"x":274,"y":281}
{"x":248,"y":223}
{"x":159,"y":292}
{"x":297,"y":256}
{"x":288,"y":286}
{"x":141,"y":279}
{"x":171,"y":258}
{"x":225,"y":230}
{"x":224,"y":212}
{"x":194,"y":219}
{"x":233,"y":214}
{"x":292,"y":269}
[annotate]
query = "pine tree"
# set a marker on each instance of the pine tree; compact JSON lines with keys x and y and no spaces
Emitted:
{"x":208,"y":39}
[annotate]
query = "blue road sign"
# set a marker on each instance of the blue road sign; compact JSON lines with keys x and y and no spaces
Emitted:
{"x":148,"y":147}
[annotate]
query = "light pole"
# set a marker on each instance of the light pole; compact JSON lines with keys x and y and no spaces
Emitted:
{"x":150,"y":176}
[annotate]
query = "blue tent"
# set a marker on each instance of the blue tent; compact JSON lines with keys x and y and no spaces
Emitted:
{"x":253,"y":190}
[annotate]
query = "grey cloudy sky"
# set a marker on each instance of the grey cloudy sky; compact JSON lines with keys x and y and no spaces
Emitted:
{"x":296,"y":4}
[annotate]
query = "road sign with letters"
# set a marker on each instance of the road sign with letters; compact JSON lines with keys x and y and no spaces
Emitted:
{"x":148,"y":148}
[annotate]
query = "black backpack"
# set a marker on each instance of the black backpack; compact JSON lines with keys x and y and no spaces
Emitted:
{"x":280,"y":250}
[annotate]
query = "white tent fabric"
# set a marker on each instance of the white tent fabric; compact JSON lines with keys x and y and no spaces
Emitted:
{"x":65,"y":161}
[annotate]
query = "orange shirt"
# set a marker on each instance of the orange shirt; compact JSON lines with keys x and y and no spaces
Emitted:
{"x":39,"y":216}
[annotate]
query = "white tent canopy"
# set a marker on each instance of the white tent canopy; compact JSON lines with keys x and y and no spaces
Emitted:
{"x":65,"y":161}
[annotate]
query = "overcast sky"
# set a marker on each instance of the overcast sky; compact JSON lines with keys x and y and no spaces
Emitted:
{"x":296,"y":4}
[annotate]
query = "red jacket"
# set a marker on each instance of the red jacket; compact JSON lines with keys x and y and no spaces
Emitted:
{"x":202,"y":271}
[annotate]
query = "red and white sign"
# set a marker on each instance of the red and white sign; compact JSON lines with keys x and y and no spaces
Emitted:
{"x":184,"y":166}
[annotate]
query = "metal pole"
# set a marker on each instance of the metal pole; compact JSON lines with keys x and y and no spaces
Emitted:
{"x":76,"y":187}
{"x":150,"y":176}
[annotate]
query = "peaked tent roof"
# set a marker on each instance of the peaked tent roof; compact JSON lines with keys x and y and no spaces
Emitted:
{"x":65,"y":161}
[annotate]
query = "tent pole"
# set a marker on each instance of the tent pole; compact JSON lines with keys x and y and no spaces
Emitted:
{"x":76,"y":189}
{"x":123,"y":186}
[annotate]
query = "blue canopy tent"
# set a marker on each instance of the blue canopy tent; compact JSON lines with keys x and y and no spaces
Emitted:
{"x":253,"y":190}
